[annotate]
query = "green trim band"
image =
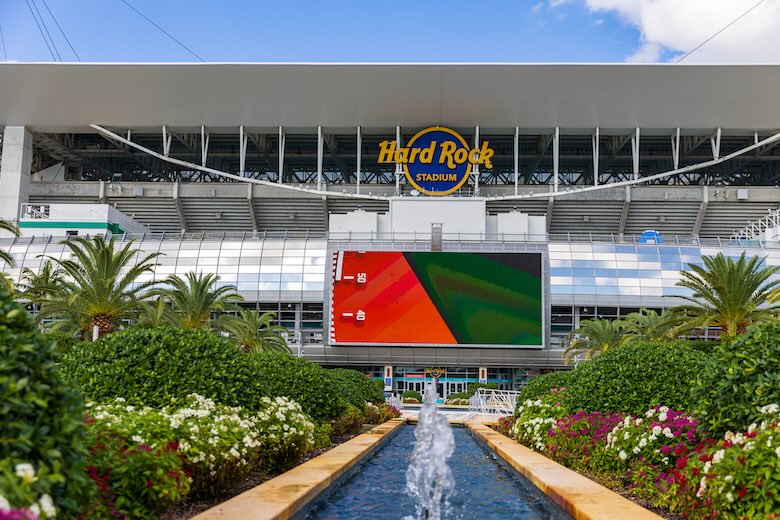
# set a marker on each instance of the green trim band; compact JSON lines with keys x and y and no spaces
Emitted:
{"x":114,"y":228}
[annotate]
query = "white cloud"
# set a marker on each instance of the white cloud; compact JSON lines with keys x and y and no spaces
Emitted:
{"x":678,"y":26}
{"x":648,"y":52}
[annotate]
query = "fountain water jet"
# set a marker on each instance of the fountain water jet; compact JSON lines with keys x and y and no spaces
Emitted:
{"x":429,"y":478}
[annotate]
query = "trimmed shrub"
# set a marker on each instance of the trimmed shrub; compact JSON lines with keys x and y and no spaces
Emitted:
{"x":635,"y":377}
{"x":313,"y":387}
{"x":739,"y":379}
{"x":322,"y":434}
{"x":356,"y":388}
{"x":42,"y":448}
{"x":411,"y":394}
{"x":152,"y":367}
{"x":459,"y":395}
{"x":63,"y":343}
{"x":540,"y":385}
{"x":472,"y":388}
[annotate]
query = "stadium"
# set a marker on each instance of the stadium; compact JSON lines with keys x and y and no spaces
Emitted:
{"x":325,"y":193}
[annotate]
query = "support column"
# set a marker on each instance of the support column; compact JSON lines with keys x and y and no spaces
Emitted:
{"x":15,"y":171}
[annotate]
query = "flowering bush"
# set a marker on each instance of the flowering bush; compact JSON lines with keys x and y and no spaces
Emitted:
{"x":740,"y":476}
{"x":356,"y":387}
{"x":219,"y":443}
{"x":504,"y":425}
{"x":350,"y":421}
{"x":387,"y":412}
{"x":580,"y":440}
{"x":650,"y":446}
{"x":41,"y":427}
{"x":17,"y":487}
{"x":535,"y":418}
{"x":739,"y":379}
{"x":458,"y":402}
{"x":134,"y":480}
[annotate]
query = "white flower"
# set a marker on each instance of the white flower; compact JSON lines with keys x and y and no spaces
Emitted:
{"x":717,"y":458}
{"x":657,"y":430}
{"x":638,"y":421}
{"x":665,"y":460}
{"x":622,"y":455}
{"x":650,"y":413}
{"x":626,"y":435}
{"x":26,"y":472}
{"x":729,"y":497}
{"x":663,"y":409}
{"x":777,"y":451}
{"x":636,"y":450}
{"x":770,"y":409}
{"x":35,"y":510}
{"x":138,"y":439}
{"x":662,"y":416}
{"x":4,"y":505}
{"x":642,"y":442}
{"x":668,"y":432}
{"x":728,"y":478}
{"x":47,"y":506}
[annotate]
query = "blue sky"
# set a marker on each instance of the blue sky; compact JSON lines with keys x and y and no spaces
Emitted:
{"x":231,"y":30}
{"x":423,"y":31}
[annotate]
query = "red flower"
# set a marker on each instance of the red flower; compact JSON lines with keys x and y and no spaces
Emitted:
{"x":173,"y":445}
{"x":727,"y":444}
{"x":741,"y":459}
{"x":149,"y":483}
{"x":742,"y":492}
{"x":696,"y":472}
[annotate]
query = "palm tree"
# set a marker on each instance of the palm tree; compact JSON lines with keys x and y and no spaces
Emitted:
{"x":155,"y":313}
{"x":727,"y":293}
{"x":595,"y":337}
{"x":196,"y":297}
{"x":649,"y":325}
{"x":6,"y":225}
{"x":99,"y":287}
{"x":255,"y":332}
{"x":39,"y":287}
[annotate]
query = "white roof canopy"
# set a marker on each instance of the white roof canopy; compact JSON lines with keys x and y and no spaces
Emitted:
{"x":68,"y":97}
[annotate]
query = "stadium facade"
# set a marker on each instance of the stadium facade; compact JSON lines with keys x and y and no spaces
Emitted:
{"x":280,"y":178}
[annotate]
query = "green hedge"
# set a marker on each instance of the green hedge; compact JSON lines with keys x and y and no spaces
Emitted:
{"x":41,"y":420}
{"x":540,"y":385}
{"x":310,"y":385}
{"x":636,"y":377}
{"x":154,"y":367}
{"x":740,"y":378}
{"x":412,"y":394}
{"x":358,"y":389}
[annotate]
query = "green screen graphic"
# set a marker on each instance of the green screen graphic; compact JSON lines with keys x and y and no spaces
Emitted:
{"x":485,"y":298}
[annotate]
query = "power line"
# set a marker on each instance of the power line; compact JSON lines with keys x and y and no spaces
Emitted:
{"x":40,"y":30}
{"x":5,"y":55}
{"x":732,"y":22}
{"x":61,"y":31}
{"x":46,"y":28}
{"x":162,"y":30}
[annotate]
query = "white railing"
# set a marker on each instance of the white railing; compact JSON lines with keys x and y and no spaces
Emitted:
{"x":490,"y":401}
{"x":35,"y":211}
{"x":756,"y":229}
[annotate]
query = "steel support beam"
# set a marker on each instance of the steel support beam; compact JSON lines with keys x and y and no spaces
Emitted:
{"x":635,"y":153}
{"x":595,"y":146}
{"x":624,"y":212}
{"x":359,"y":156}
{"x":702,"y":211}
{"x":179,"y":209}
{"x":556,"y":157}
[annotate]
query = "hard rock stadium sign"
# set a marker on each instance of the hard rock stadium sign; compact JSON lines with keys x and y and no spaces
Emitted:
{"x":437,"y":160}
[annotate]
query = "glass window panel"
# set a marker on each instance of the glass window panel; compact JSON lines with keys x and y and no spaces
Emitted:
{"x":628,"y":291}
{"x":628,"y":273}
{"x":610,"y":273}
{"x":560,"y":271}
{"x":560,"y":289}
{"x":652,"y":291}
{"x":265,"y":268}
{"x":313,"y":287}
{"x":582,"y":272}
{"x":560,"y":263}
{"x":560,"y":280}
{"x":621,"y":248}
{"x":628,"y":282}
{"x":649,"y":274}
{"x":583,"y":289}
{"x":606,"y":281}
{"x":582,"y":263}
{"x":583,"y":280}
{"x":607,"y":291}
{"x":650,"y":282}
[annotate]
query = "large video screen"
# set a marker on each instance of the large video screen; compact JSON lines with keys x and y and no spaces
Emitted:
{"x":436,"y":298}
